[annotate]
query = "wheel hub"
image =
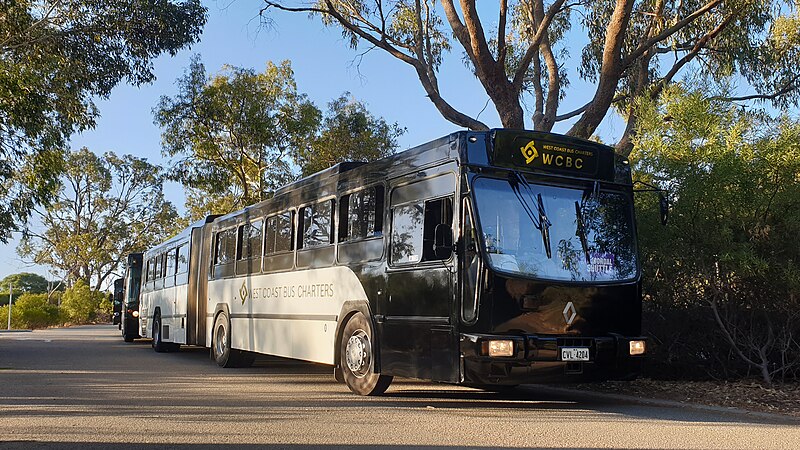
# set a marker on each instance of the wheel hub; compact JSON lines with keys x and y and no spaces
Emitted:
{"x":221,"y":340}
{"x":357,"y":353}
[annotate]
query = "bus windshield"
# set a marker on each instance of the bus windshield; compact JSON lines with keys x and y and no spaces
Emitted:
{"x":556,"y":233}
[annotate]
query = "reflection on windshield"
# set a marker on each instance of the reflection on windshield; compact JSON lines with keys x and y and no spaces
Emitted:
{"x":590,"y":233}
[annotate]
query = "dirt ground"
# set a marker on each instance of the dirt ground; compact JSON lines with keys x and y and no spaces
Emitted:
{"x":749,"y":395}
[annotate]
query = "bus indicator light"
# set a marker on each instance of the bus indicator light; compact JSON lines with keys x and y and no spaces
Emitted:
{"x":636,"y":348}
{"x":499,"y":348}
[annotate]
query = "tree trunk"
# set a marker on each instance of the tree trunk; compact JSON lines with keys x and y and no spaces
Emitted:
{"x":610,"y":72}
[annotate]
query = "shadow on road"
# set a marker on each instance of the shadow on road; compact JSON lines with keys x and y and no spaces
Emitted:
{"x":86,"y":378}
{"x":123,"y":446}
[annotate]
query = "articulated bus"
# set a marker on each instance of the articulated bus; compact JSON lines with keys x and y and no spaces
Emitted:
{"x":488,"y":259}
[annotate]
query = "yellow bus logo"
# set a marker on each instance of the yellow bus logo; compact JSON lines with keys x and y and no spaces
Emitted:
{"x":529,"y":152}
{"x":243,"y":292}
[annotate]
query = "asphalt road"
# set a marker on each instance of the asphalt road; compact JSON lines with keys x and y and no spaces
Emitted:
{"x":84,"y":388}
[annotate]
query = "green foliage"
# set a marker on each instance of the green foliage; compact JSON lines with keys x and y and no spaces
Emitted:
{"x":349,"y":133}
{"x":106,"y":306}
{"x":628,"y":49}
{"x":35,"y":311}
{"x":16,"y":320}
{"x":107,"y":207}
{"x":729,"y":253}
{"x":22,"y":283}
{"x":80,"y":303}
{"x":55,"y":58}
{"x":234,"y":135}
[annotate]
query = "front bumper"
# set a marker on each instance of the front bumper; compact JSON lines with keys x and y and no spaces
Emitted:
{"x":536,"y":359}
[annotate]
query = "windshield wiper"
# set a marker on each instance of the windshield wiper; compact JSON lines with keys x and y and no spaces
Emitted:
{"x":544,"y":224}
{"x":540,"y":220}
{"x":581,"y":232}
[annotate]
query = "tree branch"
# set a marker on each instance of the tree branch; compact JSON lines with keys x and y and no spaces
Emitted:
{"x":628,"y":60}
{"x":501,"y":33}
{"x":698,"y":46}
{"x":788,"y":87}
{"x":532,"y":50}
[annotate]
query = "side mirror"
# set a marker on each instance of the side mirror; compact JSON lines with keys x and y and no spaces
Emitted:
{"x":443,"y":241}
{"x":663,"y":205}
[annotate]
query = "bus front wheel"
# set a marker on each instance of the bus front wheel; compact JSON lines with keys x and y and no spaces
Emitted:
{"x":357,"y":358}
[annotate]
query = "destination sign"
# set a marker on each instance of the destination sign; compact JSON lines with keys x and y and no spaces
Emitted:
{"x":545,"y":151}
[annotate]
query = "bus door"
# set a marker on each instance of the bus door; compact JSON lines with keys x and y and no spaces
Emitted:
{"x":418,"y":338}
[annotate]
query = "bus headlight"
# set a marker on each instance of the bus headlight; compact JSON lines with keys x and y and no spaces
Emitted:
{"x":497,"y":348}
{"x":636,"y":347}
{"x":135,"y":314}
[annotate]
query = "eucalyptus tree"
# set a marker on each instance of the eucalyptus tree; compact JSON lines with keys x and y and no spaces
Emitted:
{"x":633,"y":48}
{"x":232,"y":133}
{"x":238,"y":135}
{"x":348,"y":132}
{"x":106,"y":208}
{"x":56,"y":57}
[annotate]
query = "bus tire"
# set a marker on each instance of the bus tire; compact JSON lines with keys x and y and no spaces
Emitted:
{"x":158,"y":345}
{"x":221,"y":351}
{"x":357,"y":358}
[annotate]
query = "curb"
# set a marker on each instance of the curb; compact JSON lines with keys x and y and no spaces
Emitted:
{"x":15,"y":331}
{"x":665,"y":403}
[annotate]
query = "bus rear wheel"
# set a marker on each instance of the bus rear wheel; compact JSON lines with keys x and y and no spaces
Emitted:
{"x":357,"y":358}
{"x":158,"y":345}
{"x":221,"y":351}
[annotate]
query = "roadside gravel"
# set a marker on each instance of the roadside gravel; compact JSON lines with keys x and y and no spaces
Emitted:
{"x":748,"y":395}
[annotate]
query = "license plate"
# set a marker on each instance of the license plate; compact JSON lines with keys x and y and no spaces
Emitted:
{"x":574,"y":354}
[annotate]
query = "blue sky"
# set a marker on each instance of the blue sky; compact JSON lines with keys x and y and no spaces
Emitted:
{"x":324,"y":67}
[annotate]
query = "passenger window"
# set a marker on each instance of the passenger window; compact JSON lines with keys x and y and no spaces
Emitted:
{"x":171,"y":262}
{"x":183,"y":259}
{"x":361,"y":214}
{"x":414,"y":227}
{"x":159,"y":267}
{"x":279,"y":234}
{"x":249,"y":241}
{"x":151,"y":271}
{"x":225,"y":249}
{"x":317,"y":224}
{"x":407,"y":233}
{"x":436,"y":212}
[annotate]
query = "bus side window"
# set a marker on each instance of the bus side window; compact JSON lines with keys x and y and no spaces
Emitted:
{"x":169,"y":280}
{"x":407,"y":233}
{"x":361,"y":214}
{"x":414,"y":228}
{"x":224,"y":252}
{"x":317,"y":224}
{"x":279,"y":234}
{"x":182,"y":269}
{"x":248,"y":244}
{"x":436,"y":212}
{"x":159,"y":267}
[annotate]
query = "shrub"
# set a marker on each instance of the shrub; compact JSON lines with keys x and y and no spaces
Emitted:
{"x":722,"y":284}
{"x":16,"y":321}
{"x":35,"y":311}
{"x":80,"y":303}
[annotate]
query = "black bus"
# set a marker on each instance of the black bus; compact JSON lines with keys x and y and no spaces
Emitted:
{"x":482,"y":258}
{"x":130,"y":298}
{"x":116,"y":301}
